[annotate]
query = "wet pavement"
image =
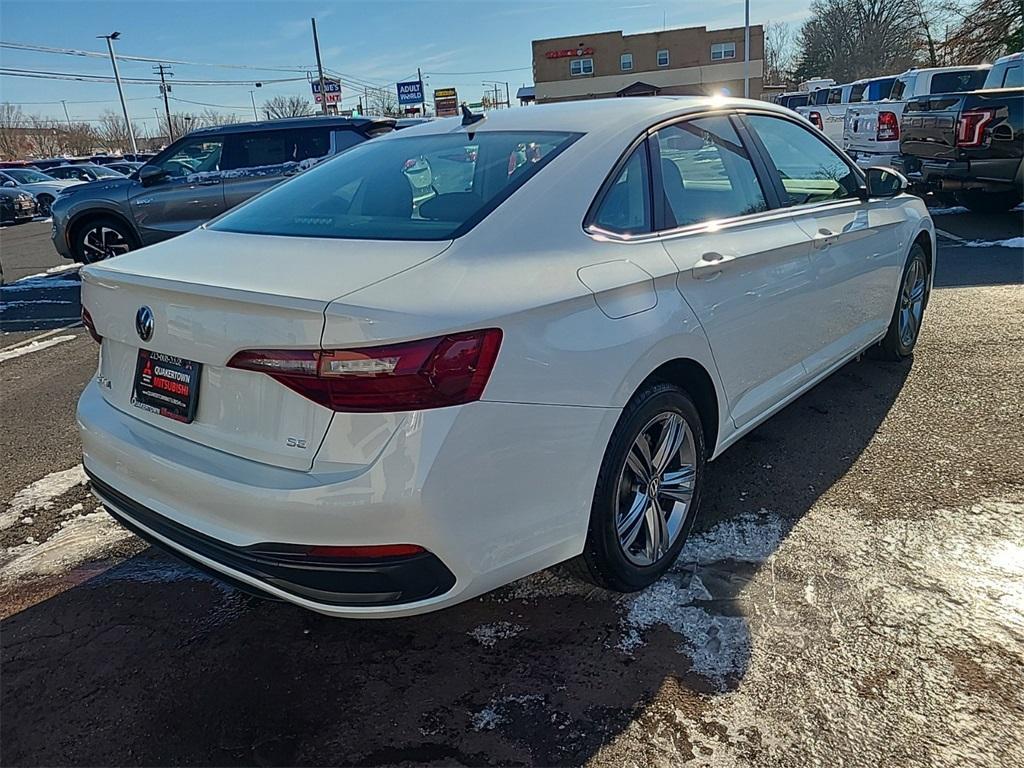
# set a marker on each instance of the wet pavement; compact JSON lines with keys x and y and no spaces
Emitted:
{"x":853,"y":595}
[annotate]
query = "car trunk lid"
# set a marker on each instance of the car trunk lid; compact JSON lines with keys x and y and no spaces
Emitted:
{"x":928,"y":129}
{"x":213,"y":294}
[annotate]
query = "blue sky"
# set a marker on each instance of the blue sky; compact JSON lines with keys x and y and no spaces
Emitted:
{"x":378,"y":42}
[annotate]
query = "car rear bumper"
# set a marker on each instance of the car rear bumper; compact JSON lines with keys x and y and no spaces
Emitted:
{"x":984,"y":175}
{"x":491,"y":491}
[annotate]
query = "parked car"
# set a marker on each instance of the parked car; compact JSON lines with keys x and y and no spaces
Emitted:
{"x":46,"y":163}
{"x":871,"y":132}
{"x":43,"y":187}
{"x":196,"y":178}
{"x":127,"y":167}
{"x":16,"y":206}
{"x":793,"y":100}
{"x":371,"y":408}
{"x":84,"y":172}
{"x":971,"y":144}
{"x":827,"y":110}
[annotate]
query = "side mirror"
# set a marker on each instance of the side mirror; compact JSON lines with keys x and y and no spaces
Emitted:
{"x":885,"y":182}
{"x":151,"y":174}
{"x":10,"y":184}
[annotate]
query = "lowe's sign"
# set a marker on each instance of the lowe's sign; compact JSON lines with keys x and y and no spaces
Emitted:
{"x":410,"y":92}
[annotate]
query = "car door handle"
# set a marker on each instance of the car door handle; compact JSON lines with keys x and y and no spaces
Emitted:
{"x":824,"y":239}
{"x":709,"y":267}
{"x":208,"y":182}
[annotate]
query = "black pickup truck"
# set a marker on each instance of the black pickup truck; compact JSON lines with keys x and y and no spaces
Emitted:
{"x":970,"y":146}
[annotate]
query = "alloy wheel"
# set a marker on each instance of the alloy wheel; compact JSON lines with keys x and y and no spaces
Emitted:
{"x":656,"y":489}
{"x":102,"y":242}
{"x":912,"y":303}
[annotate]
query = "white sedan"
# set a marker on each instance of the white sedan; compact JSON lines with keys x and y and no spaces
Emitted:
{"x":371,"y":402}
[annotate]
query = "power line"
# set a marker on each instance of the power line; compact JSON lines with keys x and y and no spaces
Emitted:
{"x":90,"y":78}
{"x":205,"y":104}
{"x":480,"y":72}
{"x":96,"y":54}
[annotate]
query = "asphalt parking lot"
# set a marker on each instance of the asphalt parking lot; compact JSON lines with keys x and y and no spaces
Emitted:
{"x":853,"y":594}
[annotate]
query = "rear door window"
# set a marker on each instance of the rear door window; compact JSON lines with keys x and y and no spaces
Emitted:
{"x":958,"y":82}
{"x":706,"y":172}
{"x":1013,"y":77}
{"x":268,"y":148}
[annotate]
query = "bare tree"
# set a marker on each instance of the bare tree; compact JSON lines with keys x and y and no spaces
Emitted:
{"x":779,"y":52}
{"x":382,"y":101}
{"x":851,"y":39}
{"x":112,"y":132}
{"x":286,"y":106}
{"x":79,"y":139}
{"x":46,"y":136}
{"x":982,"y":30}
{"x":13,"y":141}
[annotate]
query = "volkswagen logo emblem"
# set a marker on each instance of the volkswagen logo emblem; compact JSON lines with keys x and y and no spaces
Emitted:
{"x":144,"y":323}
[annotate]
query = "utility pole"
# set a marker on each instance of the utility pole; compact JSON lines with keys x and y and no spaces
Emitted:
{"x":423,"y":96}
{"x":746,"y":50}
{"x":66,"y":115}
{"x":508,"y":99}
{"x":120,"y":91}
{"x":320,"y":69}
{"x":255,"y":114}
{"x":163,"y":69}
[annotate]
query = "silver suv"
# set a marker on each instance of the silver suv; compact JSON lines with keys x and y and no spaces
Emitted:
{"x":196,"y":178}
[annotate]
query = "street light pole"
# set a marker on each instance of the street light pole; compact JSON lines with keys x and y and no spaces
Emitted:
{"x":320,"y":69}
{"x":120,"y":91}
{"x":255,"y":114}
{"x":746,"y":50}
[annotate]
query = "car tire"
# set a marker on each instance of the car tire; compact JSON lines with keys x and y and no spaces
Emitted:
{"x":989,"y":202}
{"x":44,"y":204}
{"x":609,"y":560}
{"x":101,"y":238}
{"x":908,"y":314}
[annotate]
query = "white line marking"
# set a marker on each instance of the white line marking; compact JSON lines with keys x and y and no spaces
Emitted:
{"x":949,"y":236}
{"x":35,"y":346}
{"x":40,"y":336}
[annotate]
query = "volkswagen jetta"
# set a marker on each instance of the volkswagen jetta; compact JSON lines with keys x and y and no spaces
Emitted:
{"x":375,"y":400}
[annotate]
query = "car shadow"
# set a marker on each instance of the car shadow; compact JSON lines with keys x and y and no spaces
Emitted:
{"x":153,"y":663}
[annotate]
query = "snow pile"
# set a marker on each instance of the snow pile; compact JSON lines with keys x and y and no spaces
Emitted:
{"x":956,"y":209}
{"x":41,"y":493}
{"x":488,"y":635}
{"x":748,"y":538}
{"x":79,"y":539}
{"x":1013,"y":242}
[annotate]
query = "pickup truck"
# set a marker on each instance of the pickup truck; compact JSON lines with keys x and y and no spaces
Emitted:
{"x":871,"y":132}
{"x":827,"y":107}
{"x":970,"y":145}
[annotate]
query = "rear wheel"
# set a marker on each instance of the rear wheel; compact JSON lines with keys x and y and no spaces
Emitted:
{"x":648,"y":491}
{"x":989,"y":202}
{"x":905,"y":325}
{"x":101,"y":238}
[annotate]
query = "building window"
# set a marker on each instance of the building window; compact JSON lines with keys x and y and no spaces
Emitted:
{"x":721,"y":51}
{"x":663,"y":58}
{"x":626,"y":62}
{"x":581,"y":67}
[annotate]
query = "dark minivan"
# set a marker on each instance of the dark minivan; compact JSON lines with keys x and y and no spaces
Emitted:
{"x":196,"y":178}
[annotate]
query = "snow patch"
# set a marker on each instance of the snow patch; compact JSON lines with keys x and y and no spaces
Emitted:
{"x":41,"y":494}
{"x":749,"y":538}
{"x":81,"y":539}
{"x":496,"y":712}
{"x":488,"y":635}
{"x":1013,"y":242}
{"x":951,"y":211}
{"x":35,"y":346}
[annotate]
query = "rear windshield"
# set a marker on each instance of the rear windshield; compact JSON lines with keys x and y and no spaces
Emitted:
{"x":880,"y":89}
{"x":433,"y":187}
{"x":957,"y":82}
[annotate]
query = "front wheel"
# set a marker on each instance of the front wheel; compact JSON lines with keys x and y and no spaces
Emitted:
{"x":905,"y":325}
{"x":44,"y":203}
{"x":100,"y":239}
{"x":647,"y":493}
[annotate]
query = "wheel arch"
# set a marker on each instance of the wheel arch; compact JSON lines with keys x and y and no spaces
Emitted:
{"x":693,"y":377}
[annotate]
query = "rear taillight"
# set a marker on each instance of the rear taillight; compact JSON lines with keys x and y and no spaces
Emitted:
{"x":815,"y":118}
{"x":90,"y":326}
{"x":970,"y":129}
{"x":888,"y":127}
{"x":411,"y":376}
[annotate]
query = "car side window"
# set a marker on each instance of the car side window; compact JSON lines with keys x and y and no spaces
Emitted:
{"x":626,"y":207}
{"x":196,"y":155}
{"x":706,"y":172}
{"x":810,"y":170}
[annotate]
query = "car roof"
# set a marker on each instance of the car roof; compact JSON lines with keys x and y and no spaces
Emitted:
{"x":593,"y":116}
{"x":292,"y":123}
